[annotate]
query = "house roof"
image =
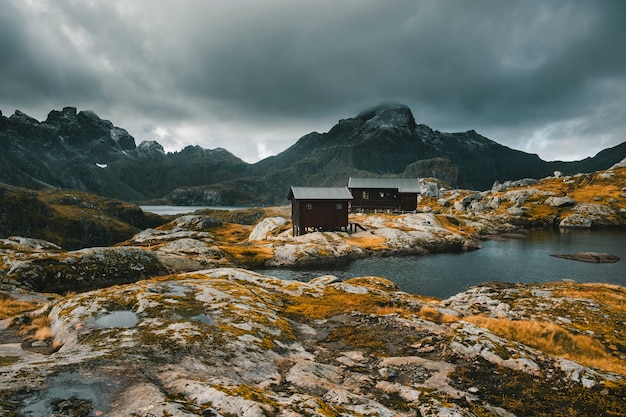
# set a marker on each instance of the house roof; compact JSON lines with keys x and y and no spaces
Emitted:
{"x":320,"y":193}
{"x":403,"y":185}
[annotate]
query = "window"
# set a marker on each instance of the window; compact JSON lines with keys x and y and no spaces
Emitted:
{"x":338,"y":206}
{"x":366,"y":195}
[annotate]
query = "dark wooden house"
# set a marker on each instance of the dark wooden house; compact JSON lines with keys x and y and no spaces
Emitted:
{"x":397,"y":194}
{"x":319,"y":208}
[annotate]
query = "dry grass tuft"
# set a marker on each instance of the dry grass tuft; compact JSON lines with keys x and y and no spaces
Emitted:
{"x":554,"y":340}
{"x":611,"y":295}
{"x":10,"y":307}
{"x":38,"y":329}
{"x":432,"y":313}
{"x":387,"y":310}
{"x":333,"y":302}
{"x":368,"y":243}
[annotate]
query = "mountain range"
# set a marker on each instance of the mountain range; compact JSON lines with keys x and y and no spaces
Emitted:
{"x":78,"y":150}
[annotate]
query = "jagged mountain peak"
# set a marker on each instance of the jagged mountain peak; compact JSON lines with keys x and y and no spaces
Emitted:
{"x":150,"y":146}
{"x":388,"y":115}
{"x":23,"y":118}
{"x":68,"y":113}
{"x":70,"y":149}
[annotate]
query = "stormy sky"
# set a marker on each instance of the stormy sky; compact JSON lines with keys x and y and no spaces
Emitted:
{"x":253,"y":76}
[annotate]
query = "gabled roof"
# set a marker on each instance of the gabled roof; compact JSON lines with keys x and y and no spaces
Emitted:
{"x":319,"y":193}
{"x":403,"y":185}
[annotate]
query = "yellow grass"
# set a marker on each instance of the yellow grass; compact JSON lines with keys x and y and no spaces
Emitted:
{"x":455,"y":226}
{"x":248,"y":255}
{"x":333,"y":302}
{"x":38,"y":329}
{"x":432,"y":313}
{"x":610,"y":295}
{"x":368,"y":243}
{"x":553,"y":340}
{"x":10,"y":307}
{"x":387,"y":310}
{"x":232,"y":233}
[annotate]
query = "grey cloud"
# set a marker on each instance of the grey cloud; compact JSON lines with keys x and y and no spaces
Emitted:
{"x":507,"y":68}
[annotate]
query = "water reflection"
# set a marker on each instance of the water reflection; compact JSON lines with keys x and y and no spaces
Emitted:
{"x":115,"y":319}
{"x":524,"y":260}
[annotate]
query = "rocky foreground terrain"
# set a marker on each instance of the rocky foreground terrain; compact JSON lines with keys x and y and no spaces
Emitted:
{"x":171,"y":321}
{"x":226,"y":342}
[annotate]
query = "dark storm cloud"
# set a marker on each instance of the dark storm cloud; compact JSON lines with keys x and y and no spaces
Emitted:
{"x":254,"y":76}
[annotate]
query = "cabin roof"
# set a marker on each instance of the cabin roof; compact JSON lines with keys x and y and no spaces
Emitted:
{"x":320,"y":193}
{"x":403,"y":185}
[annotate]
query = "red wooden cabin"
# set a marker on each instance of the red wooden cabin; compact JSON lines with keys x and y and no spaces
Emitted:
{"x":319,"y":208}
{"x":397,"y":194}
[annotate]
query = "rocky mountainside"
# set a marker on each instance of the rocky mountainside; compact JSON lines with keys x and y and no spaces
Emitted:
{"x":386,"y":141}
{"x":81,"y":151}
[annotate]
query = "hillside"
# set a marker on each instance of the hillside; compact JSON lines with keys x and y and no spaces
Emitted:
{"x":78,"y":150}
{"x":69,"y":219}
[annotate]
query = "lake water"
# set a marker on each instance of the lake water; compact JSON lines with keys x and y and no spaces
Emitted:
{"x":525,"y":260}
{"x":173,"y":210}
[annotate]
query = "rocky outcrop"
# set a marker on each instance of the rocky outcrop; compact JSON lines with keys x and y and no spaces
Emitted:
{"x":593,"y":257}
{"x":82,"y":270}
{"x":559,"y":201}
{"x":70,"y":219}
{"x":419,"y":233}
{"x":231,"y":342}
{"x":588,"y":201}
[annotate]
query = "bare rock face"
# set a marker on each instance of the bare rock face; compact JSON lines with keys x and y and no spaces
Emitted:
{"x":559,"y":201}
{"x":265,"y":227}
{"x":232,"y":342}
{"x":83,"y":270}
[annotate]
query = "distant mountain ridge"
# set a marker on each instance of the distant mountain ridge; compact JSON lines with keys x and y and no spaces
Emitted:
{"x":78,"y":150}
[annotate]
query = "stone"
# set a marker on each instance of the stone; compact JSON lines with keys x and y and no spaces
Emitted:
{"x":265,"y":227}
{"x":559,"y":201}
{"x":576,"y":221}
{"x":592,"y":257}
{"x":195,"y":222}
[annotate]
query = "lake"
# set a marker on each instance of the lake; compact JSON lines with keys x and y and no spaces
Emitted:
{"x":173,"y":210}
{"x":525,"y":260}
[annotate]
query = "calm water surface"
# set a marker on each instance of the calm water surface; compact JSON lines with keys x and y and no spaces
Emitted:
{"x":172,"y":210}
{"x":524,"y":260}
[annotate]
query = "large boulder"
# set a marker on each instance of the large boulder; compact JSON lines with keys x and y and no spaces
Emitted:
{"x":265,"y":227}
{"x":593,"y":257}
{"x":84,"y":270}
{"x":559,"y":201}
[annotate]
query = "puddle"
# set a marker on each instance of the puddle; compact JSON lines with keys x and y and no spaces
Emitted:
{"x":114,"y":319}
{"x":175,"y":290}
{"x":178,"y":290}
{"x":71,"y":393}
{"x":202,"y":318}
{"x":194,"y":315}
